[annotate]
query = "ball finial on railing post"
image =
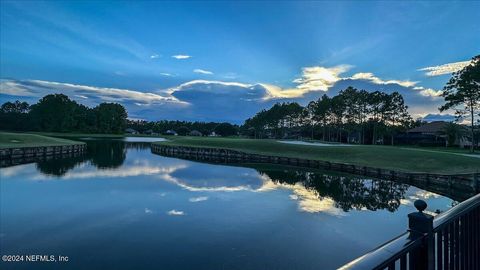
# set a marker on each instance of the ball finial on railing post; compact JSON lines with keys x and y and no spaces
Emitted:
{"x":419,"y":222}
{"x":420,"y":205}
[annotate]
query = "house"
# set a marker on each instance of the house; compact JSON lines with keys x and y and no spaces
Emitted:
{"x":435,"y":128}
{"x":433,"y":134}
{"x":170,"y":132}
{"x":195,"y":133}
{"x":131,"y":131}
{"x":213,"y":134}
{"x":150,"y":132}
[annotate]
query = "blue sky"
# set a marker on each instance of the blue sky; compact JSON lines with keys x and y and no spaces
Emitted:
{"x":224,"y":61}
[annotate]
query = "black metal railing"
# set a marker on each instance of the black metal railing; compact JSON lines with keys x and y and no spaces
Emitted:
{"x":449,"y":241}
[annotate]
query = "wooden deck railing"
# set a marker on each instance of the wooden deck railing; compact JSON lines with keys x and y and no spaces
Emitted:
{"x":448,"y":241}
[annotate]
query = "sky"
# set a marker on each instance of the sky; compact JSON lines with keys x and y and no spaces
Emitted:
{"x":225,"y":61}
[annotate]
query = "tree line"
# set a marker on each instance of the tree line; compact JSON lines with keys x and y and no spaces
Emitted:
{"x":354,"y":116}
{"x":183,"y":128}
{"x":58,"y":113}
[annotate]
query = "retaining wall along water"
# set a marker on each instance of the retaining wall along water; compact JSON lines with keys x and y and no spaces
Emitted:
{"x":468,"y":182}
{"x":12,"y":156}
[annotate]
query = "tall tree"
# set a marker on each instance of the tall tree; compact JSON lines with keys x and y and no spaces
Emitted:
{"x":225,"y":129}
{"x":111,"y":118}
{"x":14,"y":116}
{"x":337,"y":110}
{"x":396,"y":114}
{"x":462,"y":93}
{"x":377,"y":103}
{"x":352,"y":113}
{"x":322,"y":113}
{"x":54,"y":112}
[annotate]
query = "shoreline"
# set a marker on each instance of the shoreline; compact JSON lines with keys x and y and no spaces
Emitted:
{"x":465,"y":181}
{"x":395,"y":158}
{"x":26,"y":146}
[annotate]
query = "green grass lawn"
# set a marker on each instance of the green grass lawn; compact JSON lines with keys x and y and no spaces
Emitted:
{"x":388,"y":157}
{"x":11,"y":140}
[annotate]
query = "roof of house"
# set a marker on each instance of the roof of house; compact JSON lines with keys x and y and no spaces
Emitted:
{"x":130,"y":130}
{"x":431,"y":128}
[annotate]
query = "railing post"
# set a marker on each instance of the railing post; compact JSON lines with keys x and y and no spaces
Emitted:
{"x":476,"y":182}
{"x":421,"y":224}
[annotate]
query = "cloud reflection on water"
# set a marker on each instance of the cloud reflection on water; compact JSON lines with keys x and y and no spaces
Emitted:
{"x":191,"y":176}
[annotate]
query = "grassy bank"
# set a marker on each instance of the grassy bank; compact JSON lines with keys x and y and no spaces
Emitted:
{"x":12,"y":140}
{"x":387,"y":157}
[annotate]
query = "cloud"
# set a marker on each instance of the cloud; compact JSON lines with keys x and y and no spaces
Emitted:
{"x":181,"y":56}
{"x":167,"y":74}
{"x":14,"y":88}
{"x":448,"y":68}
{"x":38,"y":88}
{"x":175,"y":213}
{"x":148,"y":211}
{"x":154,"y":56}
{"x":428,"y":92}
{"x":376,"y":80}
{"x":124,"y":171}
{"x":320,"y":78}
{"x":202,"y":71}
{"x":198,"y":199}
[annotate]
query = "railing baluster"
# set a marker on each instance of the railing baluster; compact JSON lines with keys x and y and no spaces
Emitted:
{"x":462,"y":243}
{"x":439,"y":251}
{"x":403,"y":262}
{"x":470,"y":254}
{"x":450,"y":246}
{"x":477,"y":229}
{"x":477,"y":233}
{"x":456,"y":237}
{"x":411,"y":260}
{"x":445,"y":248}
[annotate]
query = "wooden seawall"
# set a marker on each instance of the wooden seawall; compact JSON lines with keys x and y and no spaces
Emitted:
{"x":468,"y":182}
{"x":12,"y":156}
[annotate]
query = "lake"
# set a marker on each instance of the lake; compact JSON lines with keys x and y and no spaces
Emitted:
{"x":122,"y":207}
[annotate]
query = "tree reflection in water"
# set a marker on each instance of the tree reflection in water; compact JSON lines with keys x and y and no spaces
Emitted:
{"x":348,"y":192}
{"x":103,"y":154}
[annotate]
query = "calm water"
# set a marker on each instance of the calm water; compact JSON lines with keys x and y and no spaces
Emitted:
{"x":122,"y":207}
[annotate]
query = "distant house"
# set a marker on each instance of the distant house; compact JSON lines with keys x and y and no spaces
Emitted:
{"x":431,"y":134}
{"x":213,"y":134}
{"x":131,"y":131}
{"x":150,"y":132}
{"x":435,"y":128}
{"x":195,"y":133}
{"x":170,"y":132}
